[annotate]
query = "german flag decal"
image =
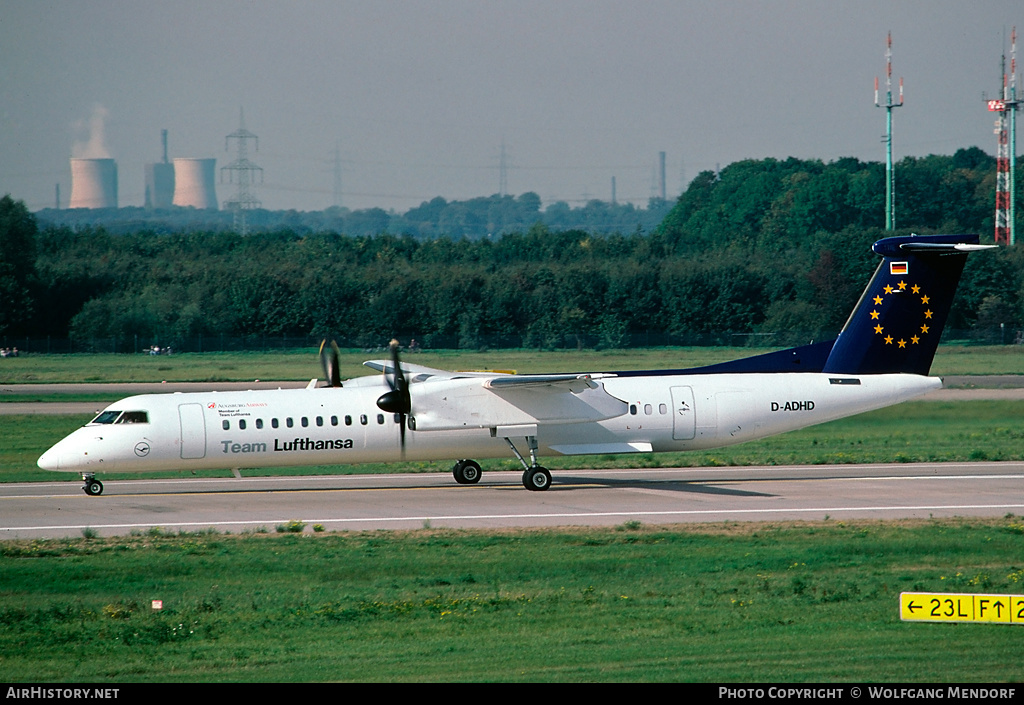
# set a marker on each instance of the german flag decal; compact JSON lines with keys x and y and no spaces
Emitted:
{"x":898,"y":268}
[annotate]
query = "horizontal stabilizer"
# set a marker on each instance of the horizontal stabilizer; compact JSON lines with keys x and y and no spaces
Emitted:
{"x":943,"y":247}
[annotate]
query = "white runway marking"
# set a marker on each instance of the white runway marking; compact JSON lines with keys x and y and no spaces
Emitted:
{"x":553,"y":515}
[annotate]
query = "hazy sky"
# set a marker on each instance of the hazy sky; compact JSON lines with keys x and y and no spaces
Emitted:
{"x":418,"y":96}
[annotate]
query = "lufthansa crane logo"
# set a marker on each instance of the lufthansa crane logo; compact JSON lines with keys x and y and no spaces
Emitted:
{"x":142,"y":449}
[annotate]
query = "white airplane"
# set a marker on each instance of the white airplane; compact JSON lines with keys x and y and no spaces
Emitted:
{"x":881,"y":357}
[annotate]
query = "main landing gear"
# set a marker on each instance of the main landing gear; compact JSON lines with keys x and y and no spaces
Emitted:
{"x":467,"y":472}
{"x":92,"y":486}
{"x":535,"y":477}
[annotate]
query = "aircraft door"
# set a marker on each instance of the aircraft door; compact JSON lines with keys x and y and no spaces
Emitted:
{"x":193,"y":431}
{"x":684,"y":418}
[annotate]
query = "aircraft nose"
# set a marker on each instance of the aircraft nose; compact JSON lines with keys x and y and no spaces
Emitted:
{"x":49,"y":460}
{"x":65,"y":456}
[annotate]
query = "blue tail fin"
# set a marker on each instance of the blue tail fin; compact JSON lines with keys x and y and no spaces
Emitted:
{"x":897,"y":323}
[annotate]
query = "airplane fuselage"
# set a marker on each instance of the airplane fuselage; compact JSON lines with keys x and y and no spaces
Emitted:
{"x":329,"y":426}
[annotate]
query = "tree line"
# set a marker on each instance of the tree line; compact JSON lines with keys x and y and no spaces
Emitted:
{"x":475,"y":218}
{"x":764,"y":246}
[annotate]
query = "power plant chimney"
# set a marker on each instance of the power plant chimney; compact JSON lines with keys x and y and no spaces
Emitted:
{"x":160,"y":180}
{"x":93,"y":183}
{"x":194,"y":183}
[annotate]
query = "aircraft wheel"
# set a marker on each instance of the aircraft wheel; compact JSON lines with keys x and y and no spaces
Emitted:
{"x":467,"y":472}
{"x":537,"y":479}
{"x":93,"y":487}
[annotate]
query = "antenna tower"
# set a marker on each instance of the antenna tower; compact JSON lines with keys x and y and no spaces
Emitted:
{"x":890,"y":179}
{"x":1006,"y":154}
{"x":245,"y":170}
{"x":503,"y":173}
{"x":337,"y":176}
{"x":661,"y":175}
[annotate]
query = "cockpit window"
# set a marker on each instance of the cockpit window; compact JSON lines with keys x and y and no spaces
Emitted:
{"x":134,"y":417}
{"x":106,"y":417}
{"x":122,"y":417}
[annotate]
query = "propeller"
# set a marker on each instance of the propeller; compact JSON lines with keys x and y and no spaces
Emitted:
{"x":397,"y":401}
{"x":331,"y":364}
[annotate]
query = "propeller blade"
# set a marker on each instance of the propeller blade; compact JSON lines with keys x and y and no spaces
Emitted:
{"x":397,"y":401}
{"x":329,"y":360}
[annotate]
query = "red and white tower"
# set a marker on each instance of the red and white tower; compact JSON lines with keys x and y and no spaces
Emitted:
{"x":1006,"y":135}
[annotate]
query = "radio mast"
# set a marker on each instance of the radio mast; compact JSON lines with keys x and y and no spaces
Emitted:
{"x":1006,"y":152}
{"x":502,"y":172}
{"x":890,"y":181}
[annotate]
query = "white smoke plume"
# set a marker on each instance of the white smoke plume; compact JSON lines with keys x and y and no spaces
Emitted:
{"x":94,"y":146}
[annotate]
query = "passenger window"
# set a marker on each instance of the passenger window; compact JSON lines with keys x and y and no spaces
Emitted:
{"x":319,"y":420}
{"x":662,"y":409}
{"x":648,"y":409}
{"x":226,"y":425}
{"x":241,"y":424}
{"x":259,"y":423}
{"x":288,"y":422}
{"x":632,"y":409}
{"x":398,"y":418}
{"x":348,"y":420}
{"x":274,"y":423}
{"x":305,"y":422}
{"x":380,"y":418}
{"x":334,"y":420}
{"x":362,"y":419}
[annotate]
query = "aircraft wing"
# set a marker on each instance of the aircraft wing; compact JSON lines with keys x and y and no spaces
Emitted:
{"x":496,"y":400}
{"x":504,"y":402}
{"x":420,"y":373}
{"x":553,"y":383}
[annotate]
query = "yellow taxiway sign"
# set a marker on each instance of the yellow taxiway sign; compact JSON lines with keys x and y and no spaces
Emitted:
{"x":961,"y":607}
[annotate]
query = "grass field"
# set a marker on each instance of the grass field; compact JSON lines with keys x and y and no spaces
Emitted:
{"x":815,"y":602}
{"x":303,"y":365}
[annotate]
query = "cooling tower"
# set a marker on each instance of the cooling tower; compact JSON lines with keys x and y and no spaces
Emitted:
{"x":194,"y":183}
{"x":93,"y":183}
{"x":159,"y":185}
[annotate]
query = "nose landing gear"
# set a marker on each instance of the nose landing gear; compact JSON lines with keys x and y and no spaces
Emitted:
{"x":92,"y":486}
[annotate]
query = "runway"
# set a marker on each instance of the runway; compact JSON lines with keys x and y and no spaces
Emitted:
{"x":576,"y":498}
